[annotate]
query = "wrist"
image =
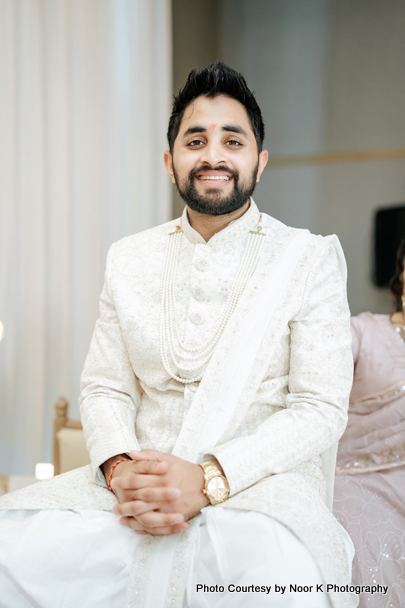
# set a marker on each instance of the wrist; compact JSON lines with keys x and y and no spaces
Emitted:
{"x":108,"y":464}
{"x":216,"y":487}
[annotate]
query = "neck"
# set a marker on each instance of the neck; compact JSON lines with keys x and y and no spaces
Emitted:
{"x":398,"y":318}
{"x":208,"y":225}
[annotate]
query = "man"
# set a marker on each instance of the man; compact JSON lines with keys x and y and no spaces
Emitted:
{"x":218,"y":373}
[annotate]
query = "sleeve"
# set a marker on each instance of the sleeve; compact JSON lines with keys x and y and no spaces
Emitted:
{"x":356,"y":337}
{"x":109,"y":387}
{"x":320,"y":379}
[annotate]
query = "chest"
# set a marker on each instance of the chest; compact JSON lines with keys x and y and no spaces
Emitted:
{"x":202,"y":283}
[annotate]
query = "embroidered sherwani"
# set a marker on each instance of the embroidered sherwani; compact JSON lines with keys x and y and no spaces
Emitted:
{"x":291,"y":409}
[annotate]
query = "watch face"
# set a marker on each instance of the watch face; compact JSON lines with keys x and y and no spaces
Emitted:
{"x":216,"y":488}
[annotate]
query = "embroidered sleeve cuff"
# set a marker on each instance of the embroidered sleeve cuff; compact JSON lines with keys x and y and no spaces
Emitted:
{"x":98,"y":459}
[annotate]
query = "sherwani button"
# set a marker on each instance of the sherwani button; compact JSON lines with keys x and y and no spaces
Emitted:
{"x":198,"y":293}
{"x":196,"y":318}
{"x":201,"y":265}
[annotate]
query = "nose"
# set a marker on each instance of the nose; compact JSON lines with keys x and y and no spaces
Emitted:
{"x":213,"y":154}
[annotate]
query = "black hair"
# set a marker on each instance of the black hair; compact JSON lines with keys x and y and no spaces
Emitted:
{"x":397,"y":282}
{"x":216,"y":79}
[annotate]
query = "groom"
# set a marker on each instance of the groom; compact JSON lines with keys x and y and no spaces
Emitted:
{"x":215,"y":160}
{"x":218,"y":374}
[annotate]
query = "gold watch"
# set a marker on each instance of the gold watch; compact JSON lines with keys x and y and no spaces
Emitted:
{"x":216,"y":485}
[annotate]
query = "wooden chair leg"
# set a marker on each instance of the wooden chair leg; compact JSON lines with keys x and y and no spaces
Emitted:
{"x":61,"y":406}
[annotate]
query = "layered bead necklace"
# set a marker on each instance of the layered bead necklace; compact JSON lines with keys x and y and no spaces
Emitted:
{"x":172,"y":348}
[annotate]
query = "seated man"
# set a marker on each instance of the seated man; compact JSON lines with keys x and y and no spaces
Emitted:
{"x":218,"y":373}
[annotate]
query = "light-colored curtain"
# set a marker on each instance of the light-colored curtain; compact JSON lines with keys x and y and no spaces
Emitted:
{"x":85,"y":89}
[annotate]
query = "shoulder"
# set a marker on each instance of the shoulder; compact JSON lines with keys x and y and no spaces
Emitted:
{"x":317,"y":251}
{"x":315,"y":241}
{"x":141,"y":244}
{"x":147,"y":237}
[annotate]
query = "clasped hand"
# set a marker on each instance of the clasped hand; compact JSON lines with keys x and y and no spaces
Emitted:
{"x":158,"y":493}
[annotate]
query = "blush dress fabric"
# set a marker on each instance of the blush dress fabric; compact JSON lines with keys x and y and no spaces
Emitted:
{"x":370,"y":477}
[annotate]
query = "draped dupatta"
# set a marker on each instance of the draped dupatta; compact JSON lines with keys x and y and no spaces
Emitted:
{"x":228,"y":387}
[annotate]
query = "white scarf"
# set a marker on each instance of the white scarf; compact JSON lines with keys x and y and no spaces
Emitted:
{"x":193,"y":444}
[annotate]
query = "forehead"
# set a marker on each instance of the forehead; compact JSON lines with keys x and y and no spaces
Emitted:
{"x":211,"y":113}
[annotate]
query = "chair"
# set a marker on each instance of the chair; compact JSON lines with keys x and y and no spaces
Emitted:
{"x":69,"y":445}
{"x":3,"y":484}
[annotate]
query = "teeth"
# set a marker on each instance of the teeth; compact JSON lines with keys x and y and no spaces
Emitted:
{"x":218,"y":177}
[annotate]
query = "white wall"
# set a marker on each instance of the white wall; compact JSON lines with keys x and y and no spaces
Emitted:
{"x":329,"y":76}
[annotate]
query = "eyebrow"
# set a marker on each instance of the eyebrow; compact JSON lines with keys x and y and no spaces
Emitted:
{"x":227,"y":128}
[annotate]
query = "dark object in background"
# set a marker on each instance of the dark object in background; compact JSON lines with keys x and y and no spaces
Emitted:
{"x":389,"y":230}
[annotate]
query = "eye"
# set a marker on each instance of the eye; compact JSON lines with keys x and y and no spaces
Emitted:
{"x":233,"y":143}
{"x":195,"y":143}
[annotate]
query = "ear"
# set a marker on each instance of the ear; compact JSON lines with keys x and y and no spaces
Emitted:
{"x":168,"y":159}
{"x":263,"y":158}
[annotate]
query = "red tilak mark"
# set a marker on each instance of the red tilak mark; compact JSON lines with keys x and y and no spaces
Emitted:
{"x":213,"y":126}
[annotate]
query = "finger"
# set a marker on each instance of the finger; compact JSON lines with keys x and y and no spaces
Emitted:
{"x":152,"y":467}
{"x":144,"y":467}
{"x":156,"y":519}
{"x":134,"y":481}
{"x":139,"y":507}
{"x":132,"y":523}
{"x":128,"y":509}
{"x":146,"y":455}
{"x":148,"y":517}
{"x":135,"y":524}
{"x":155,"y":495}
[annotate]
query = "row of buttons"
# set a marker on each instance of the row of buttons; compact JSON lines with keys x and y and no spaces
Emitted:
{"x":199,"y":293}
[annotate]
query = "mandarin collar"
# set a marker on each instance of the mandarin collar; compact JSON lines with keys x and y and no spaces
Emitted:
{"x":236,"y":229}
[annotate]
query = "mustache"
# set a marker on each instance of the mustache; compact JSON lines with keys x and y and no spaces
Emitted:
{"x":221,"y":168}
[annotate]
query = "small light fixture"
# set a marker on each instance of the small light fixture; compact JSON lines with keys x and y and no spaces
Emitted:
{"x":43,"y":470}
{"x":1,"y":330}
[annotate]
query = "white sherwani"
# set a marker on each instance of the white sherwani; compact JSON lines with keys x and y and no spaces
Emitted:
{"x":291,"y":409}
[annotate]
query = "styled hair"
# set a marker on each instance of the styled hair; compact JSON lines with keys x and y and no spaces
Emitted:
{"x":396,"y":282}
{"x":211,"y":81}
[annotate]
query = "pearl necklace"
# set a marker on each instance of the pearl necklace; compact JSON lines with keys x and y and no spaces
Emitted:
{"x":400,"y":327}
{"x":196,"y":358}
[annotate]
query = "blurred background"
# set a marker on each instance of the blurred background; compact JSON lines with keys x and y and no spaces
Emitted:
{"x":85,"y":96}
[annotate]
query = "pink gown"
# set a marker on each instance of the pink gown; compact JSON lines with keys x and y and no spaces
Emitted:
{"x":370,"y":477}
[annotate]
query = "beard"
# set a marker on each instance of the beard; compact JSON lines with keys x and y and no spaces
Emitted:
{"x":212,"y":202}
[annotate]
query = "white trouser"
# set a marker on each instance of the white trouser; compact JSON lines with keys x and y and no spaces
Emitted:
{"x":243,"y":558}
{"x":68,"y":559}
{"x":64,"y":559}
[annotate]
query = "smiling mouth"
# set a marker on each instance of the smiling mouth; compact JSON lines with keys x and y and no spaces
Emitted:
{"x":222,"y":178}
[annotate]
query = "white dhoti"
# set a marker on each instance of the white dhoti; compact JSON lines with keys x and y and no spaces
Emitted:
{"x":69,"y":559}
{"x":247,"y":554}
